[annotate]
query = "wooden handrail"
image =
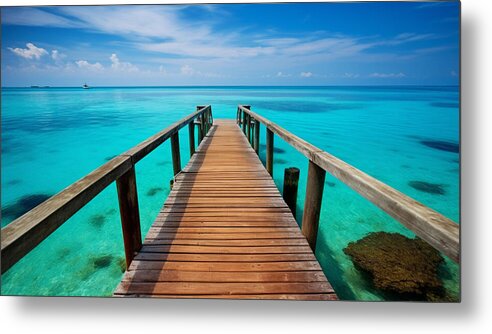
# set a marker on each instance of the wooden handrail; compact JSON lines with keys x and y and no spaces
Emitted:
{"x":439,"y":231}
{"x":26,"y":232}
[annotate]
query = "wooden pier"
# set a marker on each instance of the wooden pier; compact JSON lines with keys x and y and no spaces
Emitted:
{"x":224,"y":231}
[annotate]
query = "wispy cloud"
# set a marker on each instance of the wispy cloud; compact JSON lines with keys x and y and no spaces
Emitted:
{"x":306,"y":74}
{"x":31,"y":52}
{"x":387,"y":75}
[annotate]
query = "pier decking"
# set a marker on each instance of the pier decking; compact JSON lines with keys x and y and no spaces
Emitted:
{"x":225,"y":232}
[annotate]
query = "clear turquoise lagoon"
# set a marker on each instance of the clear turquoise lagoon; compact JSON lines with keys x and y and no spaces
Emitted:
{"x":52,"y":137}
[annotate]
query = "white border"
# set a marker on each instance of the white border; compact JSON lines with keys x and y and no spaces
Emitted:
{"x":473,"y":315}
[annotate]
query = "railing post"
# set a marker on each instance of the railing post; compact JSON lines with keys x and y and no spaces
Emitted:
{"x":191,"y":133}
{"x":245,"y":115}
{"x":175,"y":153}
{"x":291,"y":182}
{"x":312,"y":204}
{"x":126,"y":186}
{"x":257,"y":137}
{"x":269,"y":151}
{"x":200,"y":129}
{"x":248,"y":128}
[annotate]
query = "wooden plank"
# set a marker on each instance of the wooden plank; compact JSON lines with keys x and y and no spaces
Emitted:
{"x":305,"y":296}
{"x":198,"y":288}
{"x":226,"y":277}
{"x":229,"y":266}
{"x":207,"y":257}
{"x":192,"y":249}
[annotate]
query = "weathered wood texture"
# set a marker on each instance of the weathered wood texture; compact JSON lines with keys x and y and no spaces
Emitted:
{"x":291,"y":184}
{"x":439,"y":231}
{"x":225,"y":232}
{"x":129,"y":213}
{"x":269,"y":151}
{"x":312,"y":203}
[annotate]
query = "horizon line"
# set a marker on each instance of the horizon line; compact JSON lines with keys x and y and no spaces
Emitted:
{"x":190,"y":86}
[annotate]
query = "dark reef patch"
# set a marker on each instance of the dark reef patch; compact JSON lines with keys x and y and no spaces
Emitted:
{"x":62,"y":253}
{"x":442,"y":145}
{"x":275,"y":149}
{"x":102,"y":261}
{"x":97,"y":220}
{"x":14,"y":182}
{"x":405,"y":166}
{"x":426,"y":187}
{"x":163,"y":163}
{"x":403,"y":268}
{"x":23,"y":205}
{"x":154,"y":191}
{"x":331,"y":184}
{"x":281,"y":161}
{"x":445,"y":104}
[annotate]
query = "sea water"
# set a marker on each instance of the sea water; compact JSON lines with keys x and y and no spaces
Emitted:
{"x":52,"y":137}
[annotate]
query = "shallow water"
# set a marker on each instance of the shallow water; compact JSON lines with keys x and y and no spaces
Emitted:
{"x":405,"y":136}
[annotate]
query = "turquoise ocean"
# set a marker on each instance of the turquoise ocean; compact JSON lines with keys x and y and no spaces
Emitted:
{"x":51,"y":137}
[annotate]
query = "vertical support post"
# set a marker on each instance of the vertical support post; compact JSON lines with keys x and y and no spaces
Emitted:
{"x":269,"y":151}
{"x":126,"y":186}
{"x":312,"y":205}
{"x":207,"y":120}
{"x":248,"y":127}
{"x":291,"y":182}
{"x":200,"y":133}
{"x":245,"y":115}
{"x":191,"y":133}
{"x":257,"y":137}
{"x":244,"y":122}
{"x":175,"y":153}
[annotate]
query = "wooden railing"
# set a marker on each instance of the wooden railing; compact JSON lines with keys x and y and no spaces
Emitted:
{"x":440,"y":232}
{"x":27,"y":231}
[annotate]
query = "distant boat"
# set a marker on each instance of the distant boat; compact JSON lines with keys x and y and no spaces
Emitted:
{"x":85,"y":86}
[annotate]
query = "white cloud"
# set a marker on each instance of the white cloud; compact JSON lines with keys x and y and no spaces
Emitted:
{"x":86,"y":65}
{"x":116,"y":64}
{"x":31,"y":52}
{"x":306,"y":74}
{"x":350,"y":75}
{"x":162,"y":70}
{"x":387,"y":75}
{"x":283,"y":75}
{"x":187,"y":70}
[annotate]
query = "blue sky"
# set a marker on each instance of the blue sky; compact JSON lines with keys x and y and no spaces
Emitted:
{"x":242,"y":44}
